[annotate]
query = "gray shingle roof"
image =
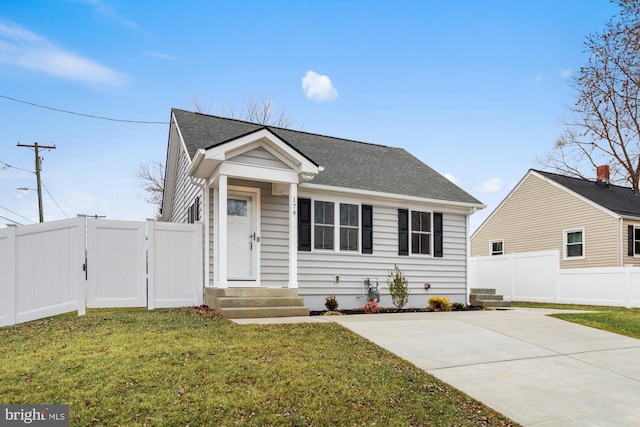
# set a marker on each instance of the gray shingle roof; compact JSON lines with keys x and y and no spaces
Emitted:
{"x":621,"y":200}
{"x":348,"y":164}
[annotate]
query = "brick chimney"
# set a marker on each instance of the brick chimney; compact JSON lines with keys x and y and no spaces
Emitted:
{"x":602,"y":173}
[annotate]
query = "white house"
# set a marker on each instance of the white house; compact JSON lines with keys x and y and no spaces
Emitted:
{"x":315,"y":214}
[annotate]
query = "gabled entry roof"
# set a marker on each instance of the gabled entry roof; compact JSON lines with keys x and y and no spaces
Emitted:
{"x":347,"y":164}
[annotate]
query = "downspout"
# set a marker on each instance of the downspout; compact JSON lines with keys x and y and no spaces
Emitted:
{"x":468,"y":260}
{"x":620,"y":240}
{"x":205,"y":235}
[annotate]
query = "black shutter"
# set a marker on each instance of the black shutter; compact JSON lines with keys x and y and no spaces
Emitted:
{"x":630,"y":241}
{"x":437,"y":235}
{"x":304,"y":225}
{"x":367,"y":229}
{"x":403,"y":232}
{"x":197,"y":208}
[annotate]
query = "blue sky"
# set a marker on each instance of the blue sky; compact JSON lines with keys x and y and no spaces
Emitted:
{"x":475,"y":89}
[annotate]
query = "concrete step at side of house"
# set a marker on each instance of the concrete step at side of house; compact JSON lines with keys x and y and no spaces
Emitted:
{"x":258,"y":312}
{"x":484,"y":297}
{"x":229,"y":302}
{"x":493,"y":304}
{"x":482,"y":291}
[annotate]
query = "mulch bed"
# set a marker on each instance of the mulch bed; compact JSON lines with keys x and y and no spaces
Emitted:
{"x":389,"y":310}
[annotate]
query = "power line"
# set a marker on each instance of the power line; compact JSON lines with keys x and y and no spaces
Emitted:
{"x":54,"y":200}
{"x":15,"y":213}
{"x":15,"y":167}
{"x":82,"y":114}
{"x":8,"y":219}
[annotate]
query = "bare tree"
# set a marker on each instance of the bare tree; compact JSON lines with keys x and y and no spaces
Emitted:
{"x":151,"y":179}
{"x":605,"y":123}
{"x":151,"y":174}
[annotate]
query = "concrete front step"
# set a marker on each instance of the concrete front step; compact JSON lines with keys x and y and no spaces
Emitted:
{"x":230,"y":302}
{"x":239,"y":303}
{"x":259,"y":312}
{"x":482,"y":291}
{"x":493,"y":304}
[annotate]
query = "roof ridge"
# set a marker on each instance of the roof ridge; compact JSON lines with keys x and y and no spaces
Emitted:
{"x":284,"y":129}
{"x":580,"y":179}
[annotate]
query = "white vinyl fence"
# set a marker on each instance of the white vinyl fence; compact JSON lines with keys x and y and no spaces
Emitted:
{"x":74,"y":264}
{"x":537,"y":277}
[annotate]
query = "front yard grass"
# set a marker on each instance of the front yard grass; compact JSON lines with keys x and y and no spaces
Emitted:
{"x":620,"y":320}
{"x":184,"y":367}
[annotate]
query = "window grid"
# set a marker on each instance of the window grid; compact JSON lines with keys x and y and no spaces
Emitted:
{"x":420,"y":232}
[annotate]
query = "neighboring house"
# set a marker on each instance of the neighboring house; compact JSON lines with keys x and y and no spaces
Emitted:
{"x":590,"y":223}
{"x":292,"y":209}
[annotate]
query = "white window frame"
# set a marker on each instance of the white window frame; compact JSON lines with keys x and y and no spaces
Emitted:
{"x":491,"y":242}
{"x":430,"y":232}
{"x":565,"y":234}
{"x":336,"y":226}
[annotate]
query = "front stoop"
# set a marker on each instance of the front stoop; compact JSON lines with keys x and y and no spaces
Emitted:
{"x":487,"y":298}
{"x":242,"y":303}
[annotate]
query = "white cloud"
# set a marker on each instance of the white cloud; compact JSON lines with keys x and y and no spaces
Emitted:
{"x":492,"y":185}
{"x":452,"y":178}
{"x":22,"y":48}
{"x":318,"y":87}
{"x":538,"y":78}
{"x":108,"y":12}
{"x":162,"y":56}
{"x":565,"y":74}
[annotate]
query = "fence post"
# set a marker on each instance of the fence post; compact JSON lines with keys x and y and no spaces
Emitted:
{"x":82,"y":283}
{"x":11,"y":275}
{"x":628,"y":278}
{"x":151,"y":263}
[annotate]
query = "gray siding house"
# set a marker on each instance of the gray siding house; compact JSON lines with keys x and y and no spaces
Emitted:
{"x":318,"y":214}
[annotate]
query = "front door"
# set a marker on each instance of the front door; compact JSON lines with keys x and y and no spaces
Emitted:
{"x":242,"y":238}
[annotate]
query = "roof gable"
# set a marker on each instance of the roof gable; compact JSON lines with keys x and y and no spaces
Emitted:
{"x":347,"y":164}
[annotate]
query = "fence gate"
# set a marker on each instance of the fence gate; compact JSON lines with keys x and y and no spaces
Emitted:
{"x":116,"y":264}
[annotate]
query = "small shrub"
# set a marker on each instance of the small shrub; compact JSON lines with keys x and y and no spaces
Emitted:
{"x":331,"y":303}
{"x":457,"y":306}
{"x":439,"y":304}
{"x":333,"y":313}
{"x":398,"y":287}
{"x":371,"y":307}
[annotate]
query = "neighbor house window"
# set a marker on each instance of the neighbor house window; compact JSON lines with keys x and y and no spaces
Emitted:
{"x":323,"y":225}
{"x":634,"y":240}
{"x":574,"y":243}
{"x":497,"y":247}
{"x":348,"y":227}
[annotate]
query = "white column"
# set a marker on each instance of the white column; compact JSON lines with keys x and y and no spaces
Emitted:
{"x":293,"y":235}
{"x":222,"y":232}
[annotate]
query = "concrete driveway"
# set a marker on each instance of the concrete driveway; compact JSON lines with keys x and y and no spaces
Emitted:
{"x":536,"y":370}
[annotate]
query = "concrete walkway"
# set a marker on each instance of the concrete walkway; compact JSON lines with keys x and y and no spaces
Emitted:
{"x":536,"y":370}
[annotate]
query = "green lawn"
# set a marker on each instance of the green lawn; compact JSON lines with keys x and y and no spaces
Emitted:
{"x":180,"y":367}
{"x":620,"y":320}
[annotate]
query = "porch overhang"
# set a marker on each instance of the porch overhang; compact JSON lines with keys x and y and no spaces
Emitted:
{"x":220,"y":160}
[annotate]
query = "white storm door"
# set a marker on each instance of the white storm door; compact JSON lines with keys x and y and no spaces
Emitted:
{"x":242,"y":239}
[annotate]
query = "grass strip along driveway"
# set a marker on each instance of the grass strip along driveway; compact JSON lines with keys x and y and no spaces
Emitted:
{"x":620,"y":320}
{"x":181,"y":367}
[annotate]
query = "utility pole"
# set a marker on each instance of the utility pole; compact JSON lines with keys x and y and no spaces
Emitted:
{"x":35,"y":146}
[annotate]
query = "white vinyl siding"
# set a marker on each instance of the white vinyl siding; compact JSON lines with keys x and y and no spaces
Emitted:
{"x":534,"y":217}
{"x":185,"y":192}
